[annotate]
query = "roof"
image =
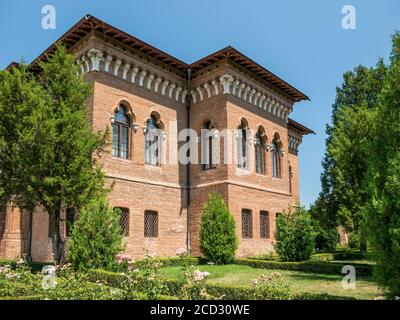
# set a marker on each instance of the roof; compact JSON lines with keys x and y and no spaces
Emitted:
{"x":89,"y":24}
{"x":239,"y":58}
{"x":12,"y":65}
{"x":298,"y":126}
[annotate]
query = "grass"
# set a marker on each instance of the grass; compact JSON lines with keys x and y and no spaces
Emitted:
{"x":301,"y":282}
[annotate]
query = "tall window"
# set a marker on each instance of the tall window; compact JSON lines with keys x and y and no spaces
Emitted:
{"x":207,"y":147}
{"x":247,"y":224}
{"x":121,"y":133}
{"x":242,"y":145}
{"x":264,"y":225}
{"x":150,"y":224}
{"x":290,"y":178}
{"x":124,"y":221}
{"x":275,"y":154}
{"x":260,"y":151}
{"x":153,"y":132}
{"x":70,"y":217}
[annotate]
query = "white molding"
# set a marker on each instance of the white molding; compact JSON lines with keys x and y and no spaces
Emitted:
{"x":127,"y":66}
{"x":95,"y":56}
{"x":117,"y":64}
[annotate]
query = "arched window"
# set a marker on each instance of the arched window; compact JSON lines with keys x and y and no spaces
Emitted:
{"x":121,"y":133}
{"x":275,"y":153}
{"x":260,"y":151}
{"x":242,"y":145}
{"x":207,"y":161}
{"x":153,"y":133}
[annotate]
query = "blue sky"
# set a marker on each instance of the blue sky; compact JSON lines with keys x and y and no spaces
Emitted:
{"x":300,"y":41}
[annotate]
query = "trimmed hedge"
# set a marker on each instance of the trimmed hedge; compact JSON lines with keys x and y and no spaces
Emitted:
{"x":35,"y":266}
{"x":175,"y":261}
{"x":225,"y":292}
{"x":307,"y":266}
{"x":343,"y":255}
{"x":22,"y":298}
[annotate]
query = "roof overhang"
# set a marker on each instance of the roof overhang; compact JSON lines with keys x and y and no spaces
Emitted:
{"x":230,"y":53}
{"x":299,"y":127}
{"x":91,"y":25}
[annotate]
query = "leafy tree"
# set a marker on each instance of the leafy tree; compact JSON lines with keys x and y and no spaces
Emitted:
{"x":383,"y":179}
{"x":327,"y":237}
{"x":343,"y":194}
{"x":96,"y":237}
{"x":218,"y":240}
{"x":48,"y":149}
{"x":295,"y":235}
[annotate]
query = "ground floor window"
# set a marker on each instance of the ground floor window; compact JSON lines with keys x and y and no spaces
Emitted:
{"x":247,"y":224}
{"x":124,"y":221}
{"x":264,"y":225}
{"x":150,"y":224}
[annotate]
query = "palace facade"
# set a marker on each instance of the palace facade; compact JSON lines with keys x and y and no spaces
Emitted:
{"x":147,"y":97}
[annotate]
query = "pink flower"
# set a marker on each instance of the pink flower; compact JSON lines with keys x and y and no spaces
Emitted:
{"x":199,"y":276}
{"x":122,"y":257}
{"x":181,"y":252}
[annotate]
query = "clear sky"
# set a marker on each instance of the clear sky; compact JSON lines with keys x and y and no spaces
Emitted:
{"x":303,"y":42}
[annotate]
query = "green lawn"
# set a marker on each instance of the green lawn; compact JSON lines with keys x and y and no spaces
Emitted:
{"x":299,"y":281}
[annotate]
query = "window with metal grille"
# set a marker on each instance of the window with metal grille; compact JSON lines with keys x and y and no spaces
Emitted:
{"x":124,"y":221}
{"x":264,"y":225}
{"x":150,"y":224}
{"x":69,"y":221}
{"x":247,"y":224}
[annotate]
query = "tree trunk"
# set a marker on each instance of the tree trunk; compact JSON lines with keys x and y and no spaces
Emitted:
{"x":56,"y":239}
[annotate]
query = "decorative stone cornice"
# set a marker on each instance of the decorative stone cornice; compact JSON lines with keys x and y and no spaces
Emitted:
{"x":294,"y":142}
{"x":261,"y":99}
{"x":97,"y":60}
{"x":100,"y":61}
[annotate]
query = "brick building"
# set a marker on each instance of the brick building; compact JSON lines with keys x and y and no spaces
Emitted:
{"x":142,"y":92}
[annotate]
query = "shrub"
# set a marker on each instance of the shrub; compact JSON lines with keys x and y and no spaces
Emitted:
{"x":218,"y":240}
{"x":295,"y":236}
{"x":354,"y":240}
{"x":96,"y":237}
{"x":272,"y":287}
{"x":325,"y":239}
